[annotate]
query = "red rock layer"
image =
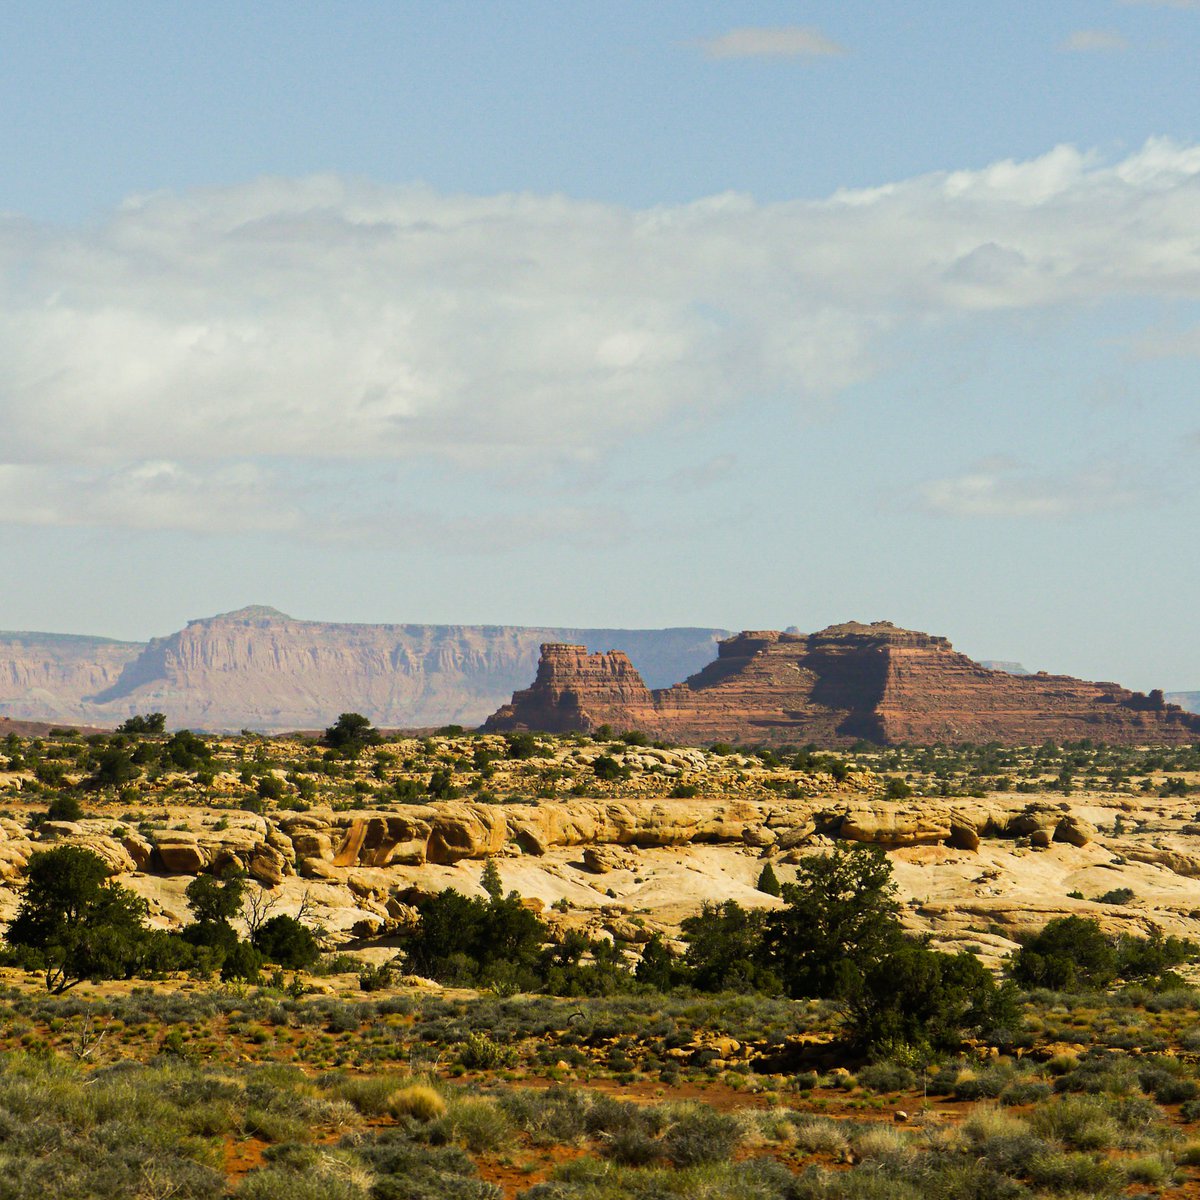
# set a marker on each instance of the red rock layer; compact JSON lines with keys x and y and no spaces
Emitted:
{"x":887,"y":685}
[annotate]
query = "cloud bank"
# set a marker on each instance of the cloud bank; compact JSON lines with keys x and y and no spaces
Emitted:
{"x":1087,"y":41}
{"x":1009,"y":489}
{"x":789,"y":41}
{"x":192,"y":361}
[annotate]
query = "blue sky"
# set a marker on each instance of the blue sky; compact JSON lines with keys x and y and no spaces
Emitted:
{"x":745,"y":315}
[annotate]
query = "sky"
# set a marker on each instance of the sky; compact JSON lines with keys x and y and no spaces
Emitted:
{"x":744,"y":315}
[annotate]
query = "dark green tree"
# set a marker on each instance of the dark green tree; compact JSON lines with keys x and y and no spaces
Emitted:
{"x":725,"y":949}
{"x":466,"y":940}
{"x":112,"y":767}
{"x":521,"y":745}
{"x":65,"y":807}
{"x":768,"y":881}
{"x":147,"y":723}
{"x":216,"y":899}
{"x":186,"y":752}
{"x":841,"y":919}
{"x":490,"y":880}
{"x":659,"y":968}
{"x":608,"y":769}
{"x":350,"y":733}
{"x":73,"y":924}
{"x":919,"y":998}
{"x":1069,"y":953}
{"x":286,"y":941}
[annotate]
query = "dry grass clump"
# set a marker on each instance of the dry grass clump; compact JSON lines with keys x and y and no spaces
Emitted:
{"x":419,"y":1101}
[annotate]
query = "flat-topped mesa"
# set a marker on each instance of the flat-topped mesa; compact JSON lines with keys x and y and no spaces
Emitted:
{"x":853,"y":681}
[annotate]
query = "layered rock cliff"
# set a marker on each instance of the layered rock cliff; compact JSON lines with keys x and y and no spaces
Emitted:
{"x":260,"y":669}
{"x":876,"y":682}
{"x":44,"y":676}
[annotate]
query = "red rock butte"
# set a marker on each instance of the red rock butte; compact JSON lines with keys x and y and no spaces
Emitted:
{"x":849,"y":682}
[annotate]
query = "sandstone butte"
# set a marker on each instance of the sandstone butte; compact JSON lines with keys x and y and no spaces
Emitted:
{"x":876,"y":682}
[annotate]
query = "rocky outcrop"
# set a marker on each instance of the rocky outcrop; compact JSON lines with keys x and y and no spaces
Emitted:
{"x":260,"y":669}
{"x":890,"y":686}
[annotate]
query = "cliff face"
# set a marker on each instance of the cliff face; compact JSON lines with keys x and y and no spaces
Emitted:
{"x":887,"y":685}
{"x":44,"y":675}
{"x":257,"y":668}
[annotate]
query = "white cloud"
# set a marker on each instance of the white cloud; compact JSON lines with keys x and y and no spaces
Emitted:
{"x":245,"y":338}
{"x":1095,"y":40}
{"x":789,"y":41}
{"x":1001,"y":487}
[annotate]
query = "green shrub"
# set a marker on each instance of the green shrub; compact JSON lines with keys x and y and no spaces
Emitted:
{"x":65,"y":808}
{"x":480,"y":1053}
{"x":887,"y":1077}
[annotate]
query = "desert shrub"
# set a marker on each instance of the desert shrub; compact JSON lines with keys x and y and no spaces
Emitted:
{"x":1166,"y":1082}
{"x":1101,"y":1073}
{"x":480,"y":1053}
{"x":985,"y":1084}
{"x":371,"y":1095}
{"x":1155,"y":1170}
{"x":701,"y":1135}
{"x":473,"y":1122}
{"x":553,"y":1116}
{"x":884,"y":1143}
{"x":1078,"y":1173}
{"x":1080,"y":1122}
{"x":274,"y":1183}
{"x":631,"y":1147}
{"x":821,"y":1135}
{"x":1023,"y":1091}
{"x":1005,"y":1141}
{"x":401,"y":1169}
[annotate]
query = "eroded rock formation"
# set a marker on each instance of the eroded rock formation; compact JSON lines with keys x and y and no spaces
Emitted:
{"x":887,"y":685}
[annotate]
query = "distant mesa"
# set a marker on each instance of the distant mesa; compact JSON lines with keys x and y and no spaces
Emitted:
{"x":874,"y":682}
{"x":1009,"y":668}
{"x":1186,"y":700}
{"x":258,"y":668}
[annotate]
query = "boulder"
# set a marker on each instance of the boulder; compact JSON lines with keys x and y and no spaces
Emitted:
{"x":629,"y":931}
{"x":1074,"y":830}
{"x":139,"y":849}
{"x":759,"y":836}
{"x":268,"y":866}
{"x":181,"y":853}
{"x":796,"y":835}
{"x":599,"y":860}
